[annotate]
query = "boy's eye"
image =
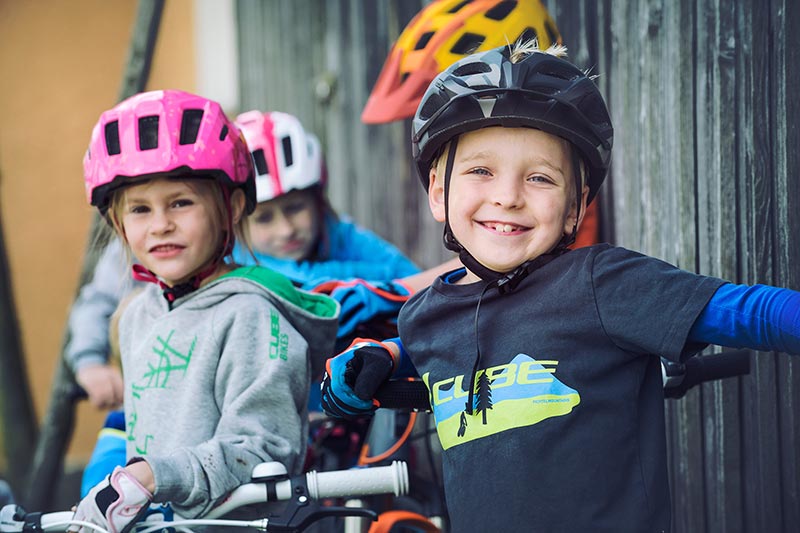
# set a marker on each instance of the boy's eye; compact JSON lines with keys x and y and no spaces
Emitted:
{"x":539,"y":178}
{"x":479,"y":171}
{"x":138,"y":209}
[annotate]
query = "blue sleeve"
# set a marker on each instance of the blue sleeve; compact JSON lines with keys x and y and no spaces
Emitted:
{"x":759,"y":317}
{"x":406,"y":368}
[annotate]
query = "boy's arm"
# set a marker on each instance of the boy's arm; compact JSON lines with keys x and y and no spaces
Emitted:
{"x":352,"y":377}
{"x":759,"y":317}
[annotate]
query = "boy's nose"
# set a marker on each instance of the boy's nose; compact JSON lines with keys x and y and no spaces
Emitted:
{"x":507,"y":192}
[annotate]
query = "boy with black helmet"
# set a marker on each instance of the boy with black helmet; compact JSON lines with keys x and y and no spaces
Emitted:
{"x":542,"y":363}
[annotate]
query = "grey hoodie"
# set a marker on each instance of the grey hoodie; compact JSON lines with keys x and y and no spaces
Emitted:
{"x":220,"y":382}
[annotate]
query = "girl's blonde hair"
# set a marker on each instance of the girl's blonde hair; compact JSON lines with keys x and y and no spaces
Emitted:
{"x":220,"y":205}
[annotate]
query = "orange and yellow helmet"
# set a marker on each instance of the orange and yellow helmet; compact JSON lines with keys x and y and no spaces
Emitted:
{"x":442,"y":33}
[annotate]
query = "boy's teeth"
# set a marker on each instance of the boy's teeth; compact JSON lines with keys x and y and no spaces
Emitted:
{"x":504,"y":228}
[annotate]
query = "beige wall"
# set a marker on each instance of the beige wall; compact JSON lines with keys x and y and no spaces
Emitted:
{"x":61,"y":65}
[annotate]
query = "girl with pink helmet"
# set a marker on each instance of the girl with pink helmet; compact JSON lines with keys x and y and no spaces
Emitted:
{"x":209,"y":391}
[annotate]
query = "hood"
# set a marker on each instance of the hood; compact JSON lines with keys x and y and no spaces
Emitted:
{"x":314,"y":316}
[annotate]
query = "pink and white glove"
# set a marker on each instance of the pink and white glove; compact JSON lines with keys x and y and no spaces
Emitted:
{"x":116,"y":503}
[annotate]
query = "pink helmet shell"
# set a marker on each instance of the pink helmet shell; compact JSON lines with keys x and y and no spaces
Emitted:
{"x":165,"y":133}
{"x":286,"y":156}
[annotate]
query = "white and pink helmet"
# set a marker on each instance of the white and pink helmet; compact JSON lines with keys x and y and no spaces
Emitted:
{"x":165,"y":133}
{"x":286,"y":156}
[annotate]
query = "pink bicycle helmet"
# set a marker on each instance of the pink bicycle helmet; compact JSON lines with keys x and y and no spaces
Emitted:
{"x":165,"y":133}
{"x":286,"y":156}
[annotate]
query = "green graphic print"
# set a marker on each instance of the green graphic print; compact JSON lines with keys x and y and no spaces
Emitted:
{"x":160,"y":374}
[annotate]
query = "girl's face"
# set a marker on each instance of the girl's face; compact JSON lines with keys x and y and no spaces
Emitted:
{"x":287,"y":226}
{"x":511,"y":195}
{"x":173,"y":227}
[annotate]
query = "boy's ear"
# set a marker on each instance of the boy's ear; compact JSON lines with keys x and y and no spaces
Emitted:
{"x":570,"y":223}
{"x":436,"y":196}
{"x":238,"y":202}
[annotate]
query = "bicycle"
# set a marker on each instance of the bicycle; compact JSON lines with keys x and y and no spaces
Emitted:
{"x":269,"y":483}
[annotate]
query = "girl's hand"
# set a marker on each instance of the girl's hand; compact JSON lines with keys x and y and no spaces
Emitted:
{"x":115,"y":503}
{"x":103,"y":384}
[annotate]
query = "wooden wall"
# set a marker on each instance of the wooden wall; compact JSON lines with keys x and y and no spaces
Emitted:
{"x":705,"y":175}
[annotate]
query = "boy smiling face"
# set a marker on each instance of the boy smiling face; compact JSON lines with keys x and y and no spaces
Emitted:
{"x":512,"y":195}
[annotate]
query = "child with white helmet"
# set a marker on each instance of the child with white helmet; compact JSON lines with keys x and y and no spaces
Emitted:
{"x":216,"y":358}
{"x":542,"y":363}
{"x":294,"y":230}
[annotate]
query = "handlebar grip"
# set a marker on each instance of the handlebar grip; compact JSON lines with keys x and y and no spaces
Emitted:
{"x":702,"y":368}
{"x":718,"y":366}
{"x":359,"y":482}
{"x":403,"y":394}
{"x":333,"y":484}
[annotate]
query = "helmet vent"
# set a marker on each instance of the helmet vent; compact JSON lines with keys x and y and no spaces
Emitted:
{"x":467,"y":43}
{"x":560,"y":71}
{"x":260,"y":162}
{"x":472,"y":69}
{"x":431,"y":106}
{"x":148,"y":132}
{"x":593,"y":107}
{"x":423,"y":40}
{"x":112,"y":138}
{"x":190,"y":125}
{"x":501,"y":10}
{"x":457,"y":7}
{"x":288,"y":157}
{"x":223,"y":133}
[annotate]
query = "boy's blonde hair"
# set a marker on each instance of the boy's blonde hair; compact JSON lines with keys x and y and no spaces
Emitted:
{"x":220,"y":205}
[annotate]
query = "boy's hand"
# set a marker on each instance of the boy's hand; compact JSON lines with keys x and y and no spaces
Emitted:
{"x":115,"y":503}
{"x":363,"y":301}
{"x":352,"y":378}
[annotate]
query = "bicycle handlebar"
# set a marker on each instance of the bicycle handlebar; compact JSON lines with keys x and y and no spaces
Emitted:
{"x":310,"y":486}
{"x":704,"y":368}
{"x":392,"y":479}
{"x":413,"y":395}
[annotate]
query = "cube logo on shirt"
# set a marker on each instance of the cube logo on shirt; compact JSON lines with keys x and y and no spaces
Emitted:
{"x":520,"y":393}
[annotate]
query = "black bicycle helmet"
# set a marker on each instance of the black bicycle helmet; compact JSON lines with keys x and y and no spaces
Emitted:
{"x":540,"y":91}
